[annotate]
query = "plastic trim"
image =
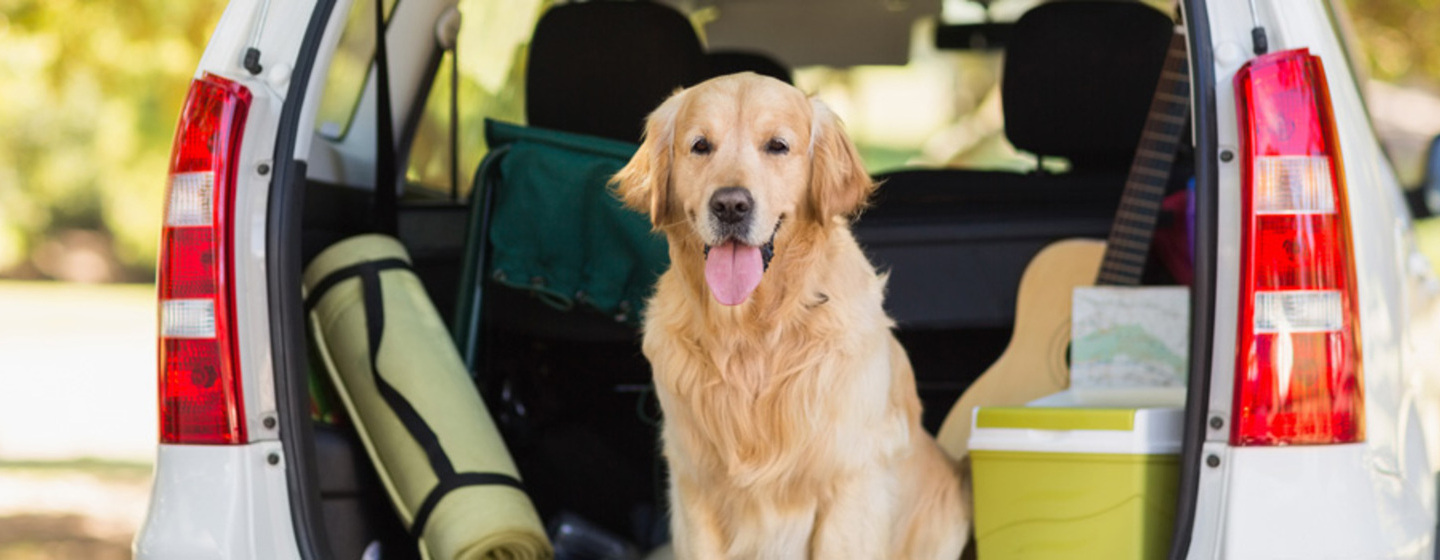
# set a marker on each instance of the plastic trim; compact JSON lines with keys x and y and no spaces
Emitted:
{"x":287,"y":333}
{"x":1202,"y":291}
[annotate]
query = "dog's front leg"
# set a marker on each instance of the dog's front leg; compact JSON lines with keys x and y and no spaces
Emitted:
{"x":856,"y":523}
{"x":694,"y":531}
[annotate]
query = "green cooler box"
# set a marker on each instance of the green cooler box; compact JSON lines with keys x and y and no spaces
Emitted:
{"x":1075,"y":483}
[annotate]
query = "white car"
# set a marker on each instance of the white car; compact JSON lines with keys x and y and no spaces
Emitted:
{"x":1312,"y":410}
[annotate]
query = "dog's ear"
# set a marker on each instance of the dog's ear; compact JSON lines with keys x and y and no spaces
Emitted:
{"x":839,"y":184}
{"x":644,"y":183}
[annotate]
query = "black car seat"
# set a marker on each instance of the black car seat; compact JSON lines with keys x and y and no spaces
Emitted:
{"x":724,"y":62}
{"x":600,"y":67}
{"x":1077,"y":83}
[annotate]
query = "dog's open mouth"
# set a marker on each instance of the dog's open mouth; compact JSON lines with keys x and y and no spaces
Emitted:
{"x":733,"y":269}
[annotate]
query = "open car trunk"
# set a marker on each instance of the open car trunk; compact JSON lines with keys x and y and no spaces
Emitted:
{"x":568,"y":388}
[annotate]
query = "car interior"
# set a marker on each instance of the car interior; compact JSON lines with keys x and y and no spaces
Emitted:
{"x":567,"y":384}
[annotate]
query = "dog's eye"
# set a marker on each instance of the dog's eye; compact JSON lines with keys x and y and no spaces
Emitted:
{"x":701,"y":147}
{"x":777,"y":147}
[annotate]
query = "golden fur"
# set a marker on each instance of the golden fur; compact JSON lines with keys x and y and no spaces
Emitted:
{"x":792,"y":424}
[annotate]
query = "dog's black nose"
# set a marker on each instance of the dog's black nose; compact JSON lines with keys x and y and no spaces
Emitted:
{"x":731,"y":205}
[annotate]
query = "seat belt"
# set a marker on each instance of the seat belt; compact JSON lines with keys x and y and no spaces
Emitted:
{"x":384,"y":207}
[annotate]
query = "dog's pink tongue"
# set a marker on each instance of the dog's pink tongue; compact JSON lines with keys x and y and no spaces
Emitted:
{"x":733,"y":271}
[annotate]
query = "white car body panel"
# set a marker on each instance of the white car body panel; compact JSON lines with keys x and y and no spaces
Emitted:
{"x":218,"y":502}
{"x":228,"y":501}
{"x":1374,"y":499}
{"x":1277,"y":494}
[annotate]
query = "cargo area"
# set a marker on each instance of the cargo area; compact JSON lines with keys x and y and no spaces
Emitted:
{"x":554,"y":355}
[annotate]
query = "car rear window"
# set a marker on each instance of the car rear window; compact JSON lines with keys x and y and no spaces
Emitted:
{"x":349,"y":69}
{"x":492,"y":43}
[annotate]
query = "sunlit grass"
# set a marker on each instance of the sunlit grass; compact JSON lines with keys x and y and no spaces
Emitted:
{"x":78,"y":368}
{"x":77,"y":418}
{"x":106,"y":469}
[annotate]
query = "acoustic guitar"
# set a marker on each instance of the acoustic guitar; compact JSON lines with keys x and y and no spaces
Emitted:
{"x":1033,"y":365}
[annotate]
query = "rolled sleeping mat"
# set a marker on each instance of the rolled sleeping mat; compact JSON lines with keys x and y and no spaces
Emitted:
{"x":422,"y":422}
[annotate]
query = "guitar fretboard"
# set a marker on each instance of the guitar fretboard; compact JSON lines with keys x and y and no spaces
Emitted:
{"x":1129,"y":243}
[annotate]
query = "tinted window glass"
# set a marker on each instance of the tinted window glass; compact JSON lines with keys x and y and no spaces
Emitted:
{"x":349,"y":70}
{"x":493,"y":40}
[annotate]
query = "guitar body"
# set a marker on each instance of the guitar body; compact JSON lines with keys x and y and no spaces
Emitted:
{"x":1034,"y":363}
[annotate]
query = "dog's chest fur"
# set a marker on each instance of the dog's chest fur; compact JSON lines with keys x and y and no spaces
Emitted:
{"x":765,"y":420}
{"x":780,"y":409}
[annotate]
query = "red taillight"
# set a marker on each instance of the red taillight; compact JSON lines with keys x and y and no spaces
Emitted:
{"x":1297,"y":372}
{"x":200,"y":399}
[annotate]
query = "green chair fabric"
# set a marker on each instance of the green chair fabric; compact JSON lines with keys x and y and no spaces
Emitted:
{"x":559,"y":231}
{"x":555,"y":228}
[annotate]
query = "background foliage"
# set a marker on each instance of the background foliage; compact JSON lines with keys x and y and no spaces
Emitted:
{"x":1401,"y":39}
{"x":89,"y":93}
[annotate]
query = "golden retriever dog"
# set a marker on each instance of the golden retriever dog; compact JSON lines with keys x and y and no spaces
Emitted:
{"x":792,"y":425}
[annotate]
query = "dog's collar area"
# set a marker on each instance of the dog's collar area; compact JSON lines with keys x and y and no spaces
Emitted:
{"x":767,"y":251}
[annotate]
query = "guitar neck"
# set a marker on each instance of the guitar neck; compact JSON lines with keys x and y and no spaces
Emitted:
{"x":1128,"y":245}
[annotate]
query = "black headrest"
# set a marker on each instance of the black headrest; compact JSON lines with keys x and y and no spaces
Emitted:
{"x":729,"y":62}
{"x":1079,"y":77}
{"x":599,"y":68}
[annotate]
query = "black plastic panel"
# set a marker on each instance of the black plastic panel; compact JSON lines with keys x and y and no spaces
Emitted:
{"x":963,"y":274}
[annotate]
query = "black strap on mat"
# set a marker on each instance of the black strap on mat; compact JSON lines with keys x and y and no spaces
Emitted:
{"x":447,"y":479}
{"x":385,"y":220}
{"x":337,"y":276}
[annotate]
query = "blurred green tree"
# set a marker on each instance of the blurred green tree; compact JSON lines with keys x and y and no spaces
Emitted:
{"x":89,"y":94}
{"x":1400,"y":40}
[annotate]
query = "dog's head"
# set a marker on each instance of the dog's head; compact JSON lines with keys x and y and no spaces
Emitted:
{"x":731,"y":162}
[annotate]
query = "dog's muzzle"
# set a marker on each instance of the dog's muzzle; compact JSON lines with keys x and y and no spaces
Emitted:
{"x":731,"y":208}
{"x":767,"y":251}
{"x":733,"y":269}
